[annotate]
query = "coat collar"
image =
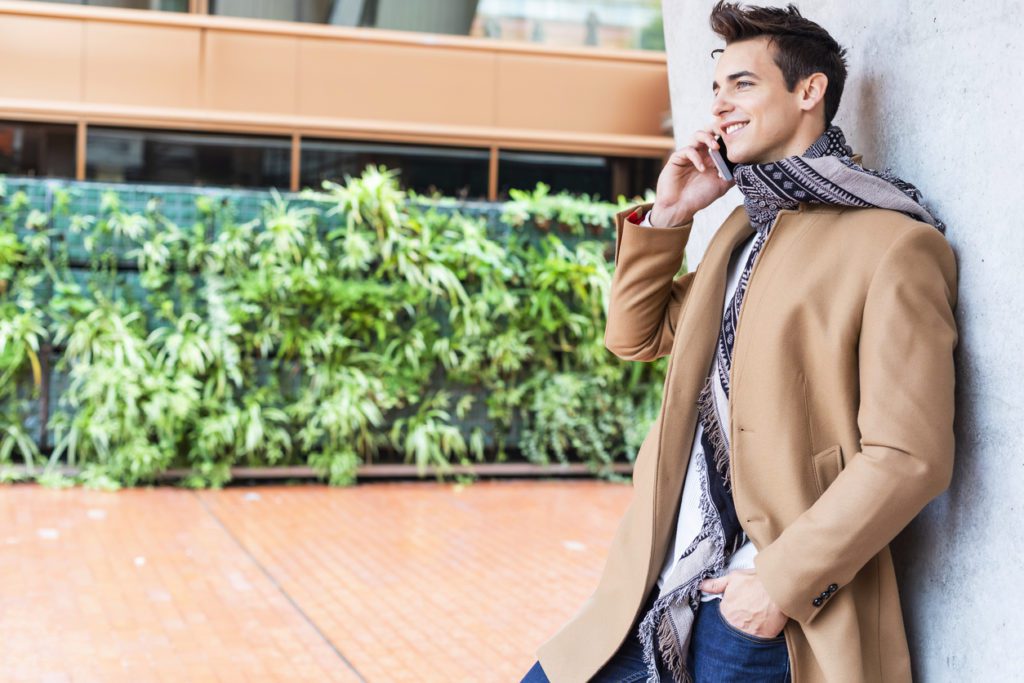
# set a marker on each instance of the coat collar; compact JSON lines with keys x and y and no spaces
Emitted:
{"x":737,"y":228}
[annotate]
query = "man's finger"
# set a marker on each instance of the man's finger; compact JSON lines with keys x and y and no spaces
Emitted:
{"x":716,"y":585}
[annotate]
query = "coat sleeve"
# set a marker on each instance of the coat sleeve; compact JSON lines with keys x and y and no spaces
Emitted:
{"x":644,"y":301}
{"x":905,"y":418}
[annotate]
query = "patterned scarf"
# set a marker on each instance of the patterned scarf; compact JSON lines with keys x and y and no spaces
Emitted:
{"x":823,"y":174}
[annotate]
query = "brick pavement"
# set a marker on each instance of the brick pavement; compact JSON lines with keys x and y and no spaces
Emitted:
{"x":379,"y":582}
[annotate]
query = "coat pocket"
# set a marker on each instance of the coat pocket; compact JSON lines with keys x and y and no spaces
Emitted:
{"x":827,"y":465}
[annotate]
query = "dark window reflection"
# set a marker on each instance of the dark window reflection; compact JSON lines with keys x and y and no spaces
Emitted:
{"x":452,"y":171}
{"x":433,"y":16}
{"x":37,"y":149}
{"x":340,"y":13}
{"x":628,"y":24}
{"x":117,"y":155}
{"x":162,"y":5}
{"x":606,"y":177}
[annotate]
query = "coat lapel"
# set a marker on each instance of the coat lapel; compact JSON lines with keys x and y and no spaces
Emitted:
{"x":696,"y":341}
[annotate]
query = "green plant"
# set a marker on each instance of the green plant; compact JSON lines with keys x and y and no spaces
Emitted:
{"x":429,"y":439}
{"x":331,"y":328}
{"x":574,"y":213}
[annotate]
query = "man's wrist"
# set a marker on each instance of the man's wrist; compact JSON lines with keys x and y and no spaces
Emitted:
{"x":666,"y":218}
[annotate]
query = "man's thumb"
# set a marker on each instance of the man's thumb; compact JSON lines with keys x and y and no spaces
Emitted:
{"x":716,"y":585}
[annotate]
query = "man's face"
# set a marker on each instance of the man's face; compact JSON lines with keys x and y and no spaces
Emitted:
{"x":750,"y":88}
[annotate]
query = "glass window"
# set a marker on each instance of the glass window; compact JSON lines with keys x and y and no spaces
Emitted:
{"x":337,"y":12}
{"x":624,"y":24}
{"x":118,"y":155}
{"x":434,"y":16}
{"x":37,"y":149}
{"x":453,"y":171}
{"x":630,"y":24}
{"x":606,"y":177}
{"x":163,"y":5}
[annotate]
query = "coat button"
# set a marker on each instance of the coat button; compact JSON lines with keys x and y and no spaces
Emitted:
{"x":817,"y":602}
{"x":832,"y":588}
{"x":824,"y":595}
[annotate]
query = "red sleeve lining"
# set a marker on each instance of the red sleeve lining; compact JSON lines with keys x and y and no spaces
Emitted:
{"x":637,"y":216}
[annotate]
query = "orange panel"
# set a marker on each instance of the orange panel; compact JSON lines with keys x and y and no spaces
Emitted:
{"x":146,"y":65}
{"x":162,"y":69}
{"x":250,"y":72}
{"x":396,"y":83}
{"x":40,"y":58}
{"x":579,"y":95}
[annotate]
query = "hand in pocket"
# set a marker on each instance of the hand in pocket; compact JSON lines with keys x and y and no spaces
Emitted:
{"x":746,"y":605}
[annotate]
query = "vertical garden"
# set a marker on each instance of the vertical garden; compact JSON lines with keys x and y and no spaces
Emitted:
{"x":145,"y":329}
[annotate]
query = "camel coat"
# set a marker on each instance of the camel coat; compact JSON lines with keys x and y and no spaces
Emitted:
{"x":841,"y":424}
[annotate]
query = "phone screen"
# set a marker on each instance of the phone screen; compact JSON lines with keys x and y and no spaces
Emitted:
{"x":721,"y":159}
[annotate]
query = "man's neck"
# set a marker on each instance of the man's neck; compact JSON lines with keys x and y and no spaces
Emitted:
{"x":796,"y":145}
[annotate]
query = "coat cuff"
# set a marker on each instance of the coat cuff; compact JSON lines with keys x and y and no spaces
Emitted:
{"x":650,"y":240}
{"x":798,"y":601}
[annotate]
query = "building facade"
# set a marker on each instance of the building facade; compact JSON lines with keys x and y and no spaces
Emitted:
{"x":465,"y":97}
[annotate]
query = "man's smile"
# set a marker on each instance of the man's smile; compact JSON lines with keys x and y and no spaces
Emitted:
{"x":733,"y":128}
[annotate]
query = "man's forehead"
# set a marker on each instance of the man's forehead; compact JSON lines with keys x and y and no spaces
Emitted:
{"x":743,"y":56}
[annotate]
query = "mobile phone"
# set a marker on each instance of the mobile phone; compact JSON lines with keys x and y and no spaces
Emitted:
{"x":721,"y":158}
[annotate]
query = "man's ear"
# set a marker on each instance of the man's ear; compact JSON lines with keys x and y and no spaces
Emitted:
{"x":812,"y":90}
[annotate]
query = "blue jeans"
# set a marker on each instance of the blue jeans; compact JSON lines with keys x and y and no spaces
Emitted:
{"x":719,"y":653}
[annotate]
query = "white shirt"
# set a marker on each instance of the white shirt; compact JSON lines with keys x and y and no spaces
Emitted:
{"x":689,"y":519}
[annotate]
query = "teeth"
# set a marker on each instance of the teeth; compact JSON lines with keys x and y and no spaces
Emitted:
{"x":733,"y":128}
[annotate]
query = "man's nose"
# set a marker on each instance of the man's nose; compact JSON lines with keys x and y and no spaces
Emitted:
{"x":720,"y":105}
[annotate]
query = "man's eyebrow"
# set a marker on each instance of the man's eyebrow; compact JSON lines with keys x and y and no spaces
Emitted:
{"x":733,"y":77}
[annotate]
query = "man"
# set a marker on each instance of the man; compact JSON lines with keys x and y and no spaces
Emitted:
{"x":808,"y":406}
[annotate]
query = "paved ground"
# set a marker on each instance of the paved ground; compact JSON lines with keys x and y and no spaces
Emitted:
{"x":380,"y":582}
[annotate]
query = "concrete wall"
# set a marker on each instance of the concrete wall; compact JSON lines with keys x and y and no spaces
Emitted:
{"x":934,"y":92}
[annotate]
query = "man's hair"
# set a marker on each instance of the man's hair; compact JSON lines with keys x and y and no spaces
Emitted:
{"x":802,"y":47}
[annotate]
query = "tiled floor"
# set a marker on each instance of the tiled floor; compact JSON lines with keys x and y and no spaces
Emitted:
{"x":380,"y":582}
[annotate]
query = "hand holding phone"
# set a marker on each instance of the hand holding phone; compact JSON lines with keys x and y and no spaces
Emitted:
{"x":687,"y":184}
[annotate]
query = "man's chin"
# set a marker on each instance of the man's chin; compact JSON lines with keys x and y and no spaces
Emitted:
{"x":740,"y":157}
{"x":753,"y":156}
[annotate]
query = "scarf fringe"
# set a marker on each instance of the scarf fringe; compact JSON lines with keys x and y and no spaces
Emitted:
{"x":708,"y":412}
{"x":671,"y":656}
{"x":658,"y":627}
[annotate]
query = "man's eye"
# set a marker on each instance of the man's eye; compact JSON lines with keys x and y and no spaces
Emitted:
{"x":739,"y":83}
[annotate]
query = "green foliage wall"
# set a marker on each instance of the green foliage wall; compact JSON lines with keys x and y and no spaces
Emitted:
{"x":204,"y":329}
